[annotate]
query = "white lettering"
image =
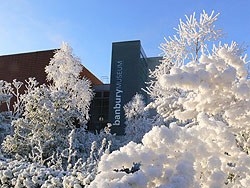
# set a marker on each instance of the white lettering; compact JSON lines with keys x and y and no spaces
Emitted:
{"x":118,"y":92}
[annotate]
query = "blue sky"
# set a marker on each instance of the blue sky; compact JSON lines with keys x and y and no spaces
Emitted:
{"x":90,"y":26}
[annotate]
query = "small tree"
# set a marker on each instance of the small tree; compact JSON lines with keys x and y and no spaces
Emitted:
{"x":64,"y":72}
{"x":51,"y":112}
{"x":137,"y":120}
{"x":193,"y":37}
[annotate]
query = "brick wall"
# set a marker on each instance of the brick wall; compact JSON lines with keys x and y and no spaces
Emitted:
{"x":25,"y":65}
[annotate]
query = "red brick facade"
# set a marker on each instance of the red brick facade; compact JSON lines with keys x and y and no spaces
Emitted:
{"x":25,"y":65}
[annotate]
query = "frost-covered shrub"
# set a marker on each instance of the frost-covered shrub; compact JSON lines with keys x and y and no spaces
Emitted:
{"x":14,"y":109}
{"x":51,"y":112}
{"x":208,"y":98}
{"x":212,"y":82}
{"x":45,"y":123}
{"x":5,"y":93}
{"x":5,"y":125}
{"x":193,"y":37}
{"x":82,"y":142}
{"x":14,"y":173}
{"x":5,"y":116}
{"x":137,"y":119}
{"x":205,"y":155}
{"x":216,"y":85}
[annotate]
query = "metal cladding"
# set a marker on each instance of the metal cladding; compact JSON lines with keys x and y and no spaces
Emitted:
{"x":128,"y":77}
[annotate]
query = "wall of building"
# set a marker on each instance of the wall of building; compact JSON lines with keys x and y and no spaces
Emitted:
{"x":99,"y":108}
{"x":32,"y":64}
{"x":129,"y":72}
{"x":25,"y":65}
{"x":128,"y":76}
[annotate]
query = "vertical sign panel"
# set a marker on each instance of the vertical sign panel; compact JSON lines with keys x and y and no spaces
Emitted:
{"x":124,"y":81}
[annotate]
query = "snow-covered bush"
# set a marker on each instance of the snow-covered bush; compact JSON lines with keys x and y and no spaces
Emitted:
{"x":14,"y":101}
{"x":14,"y":173}
{"x":208,"y":98}
{"x":137,"y":119}
{"x":192,"y":39}
{"x":216,"y":85}
{"x":205,"y":155}
{"x":45,"y":123}
{"x":212,"y":82}
{"x":51,"y":112}
{"x":5,"y":116}
{"x":5,"y":93}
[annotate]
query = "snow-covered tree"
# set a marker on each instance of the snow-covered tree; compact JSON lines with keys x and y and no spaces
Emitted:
{"x":137,"y":120}
{"x":210,"y":96}
{"x":5,"y":117}
{"x":64,"y":71}
{"x":51,"y":112}
{"x":193,"y":37}
{"x":14,"y":103}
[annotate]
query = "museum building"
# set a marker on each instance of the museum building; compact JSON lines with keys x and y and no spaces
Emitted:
{"x":129,"y":74}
